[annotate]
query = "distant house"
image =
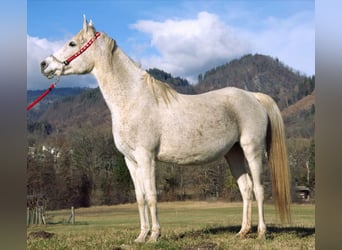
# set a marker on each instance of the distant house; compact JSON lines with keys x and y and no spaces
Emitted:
{"x":35,"y":152}
{"x":302,"y":193}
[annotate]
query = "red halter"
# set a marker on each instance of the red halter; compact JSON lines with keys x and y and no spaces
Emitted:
{"x":84,"y":48}
{"x":66,"y":62}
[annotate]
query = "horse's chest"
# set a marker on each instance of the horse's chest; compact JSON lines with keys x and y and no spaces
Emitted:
{"x":129,"y":136}
{"x":125,"y":138}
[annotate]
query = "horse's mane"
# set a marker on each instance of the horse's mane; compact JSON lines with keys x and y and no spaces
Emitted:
{"x":110,"y":42}
{"x":160,"y":89}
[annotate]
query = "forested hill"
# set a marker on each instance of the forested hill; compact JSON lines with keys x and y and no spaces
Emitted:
{"x":53,"y":97}
{"x":259,"y":73}
{"x":179,"y":84}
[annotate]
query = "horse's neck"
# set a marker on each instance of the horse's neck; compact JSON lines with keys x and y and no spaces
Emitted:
{"x":120,"y":80}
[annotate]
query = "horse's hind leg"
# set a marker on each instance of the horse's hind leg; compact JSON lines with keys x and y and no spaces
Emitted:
{"x":236,"y":161}
{"x":254,"y":153}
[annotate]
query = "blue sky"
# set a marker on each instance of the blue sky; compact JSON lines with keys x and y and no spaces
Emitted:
{"x":185,"y":38}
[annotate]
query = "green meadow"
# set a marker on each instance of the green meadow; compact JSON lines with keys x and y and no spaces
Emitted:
{"x":185,"y":225}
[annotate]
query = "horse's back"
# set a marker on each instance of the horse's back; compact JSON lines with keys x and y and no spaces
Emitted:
{"x":243,"y":106}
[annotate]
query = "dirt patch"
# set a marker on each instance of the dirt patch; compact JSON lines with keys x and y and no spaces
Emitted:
{"x":40,"y":234}
{"x":203,"y":246}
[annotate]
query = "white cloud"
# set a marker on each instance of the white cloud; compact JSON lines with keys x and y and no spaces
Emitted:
{"x":291,"y":39}
{"x":191,"y":46}
{"x":37,"y":50}
{"x":187,"y":47}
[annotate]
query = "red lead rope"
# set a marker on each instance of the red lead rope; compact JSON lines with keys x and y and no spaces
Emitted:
{"x":41,"y":96}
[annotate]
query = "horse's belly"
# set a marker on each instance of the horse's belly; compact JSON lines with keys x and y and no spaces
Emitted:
{"x":195,"y":150}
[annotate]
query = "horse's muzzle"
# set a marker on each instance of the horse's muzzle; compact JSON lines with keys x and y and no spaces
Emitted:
{"x":43,"y":65}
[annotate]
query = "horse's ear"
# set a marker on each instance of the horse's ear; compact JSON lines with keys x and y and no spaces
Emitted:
{"x":91,"y":23}
{"x":85,"y":23}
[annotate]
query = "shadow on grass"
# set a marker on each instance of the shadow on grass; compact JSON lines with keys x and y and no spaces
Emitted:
{"x":272,"y":232}
{"x":299,"y":231}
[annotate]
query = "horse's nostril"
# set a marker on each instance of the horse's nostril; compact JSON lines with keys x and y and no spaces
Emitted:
{"x":43,"y":65}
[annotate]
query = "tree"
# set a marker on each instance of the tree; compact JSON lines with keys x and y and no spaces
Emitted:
{"x":312,"y":179}
{"x":105,"y":177}
{"x":232,"y":187}
{"x":301,"y":154}
{"x":41,"y":175}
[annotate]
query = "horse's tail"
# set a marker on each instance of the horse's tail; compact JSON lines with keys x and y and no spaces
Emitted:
{"x":277,"y":157}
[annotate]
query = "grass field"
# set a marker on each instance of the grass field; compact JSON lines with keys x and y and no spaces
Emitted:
{"x":185,"y":225}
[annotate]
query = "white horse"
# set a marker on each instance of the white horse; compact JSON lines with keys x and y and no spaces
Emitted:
{"x":151,"y":122}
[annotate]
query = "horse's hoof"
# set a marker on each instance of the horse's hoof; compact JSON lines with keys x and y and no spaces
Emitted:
{"x":241,"y":236}
{"x":261,"y":236}
{"x":142,"y":236}
{"x":139,"y":240}
{"x":154,"y":237}
{"x":152,"y":240}
{"x":261,"y":233}
{"x":243,"y":232}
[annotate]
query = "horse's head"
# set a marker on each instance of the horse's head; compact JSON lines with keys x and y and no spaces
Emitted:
{"x":60,"y":62}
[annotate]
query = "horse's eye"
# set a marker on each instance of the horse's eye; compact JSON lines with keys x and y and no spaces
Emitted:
{"x":72,"y":44}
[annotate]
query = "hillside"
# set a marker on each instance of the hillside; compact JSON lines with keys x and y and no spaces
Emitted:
{"x":179,"y":84}
{"x":258,"y":73}
{"x":299,"y":118}
{"x":88,"y":109}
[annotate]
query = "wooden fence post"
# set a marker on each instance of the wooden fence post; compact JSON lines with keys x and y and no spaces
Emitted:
{"x":43,"y":216}
{"x":28,"y":216}
{"x":39,"y":215}
{"x":72,"y":216}
{"x":35,"y":215}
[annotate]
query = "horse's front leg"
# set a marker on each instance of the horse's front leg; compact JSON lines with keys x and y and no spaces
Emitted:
{"x":144,"y":223}
{"x":152,"y":204}
{"x":146,"y":170}
{"x":140,"y":197}
{"x":143,"y":175}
